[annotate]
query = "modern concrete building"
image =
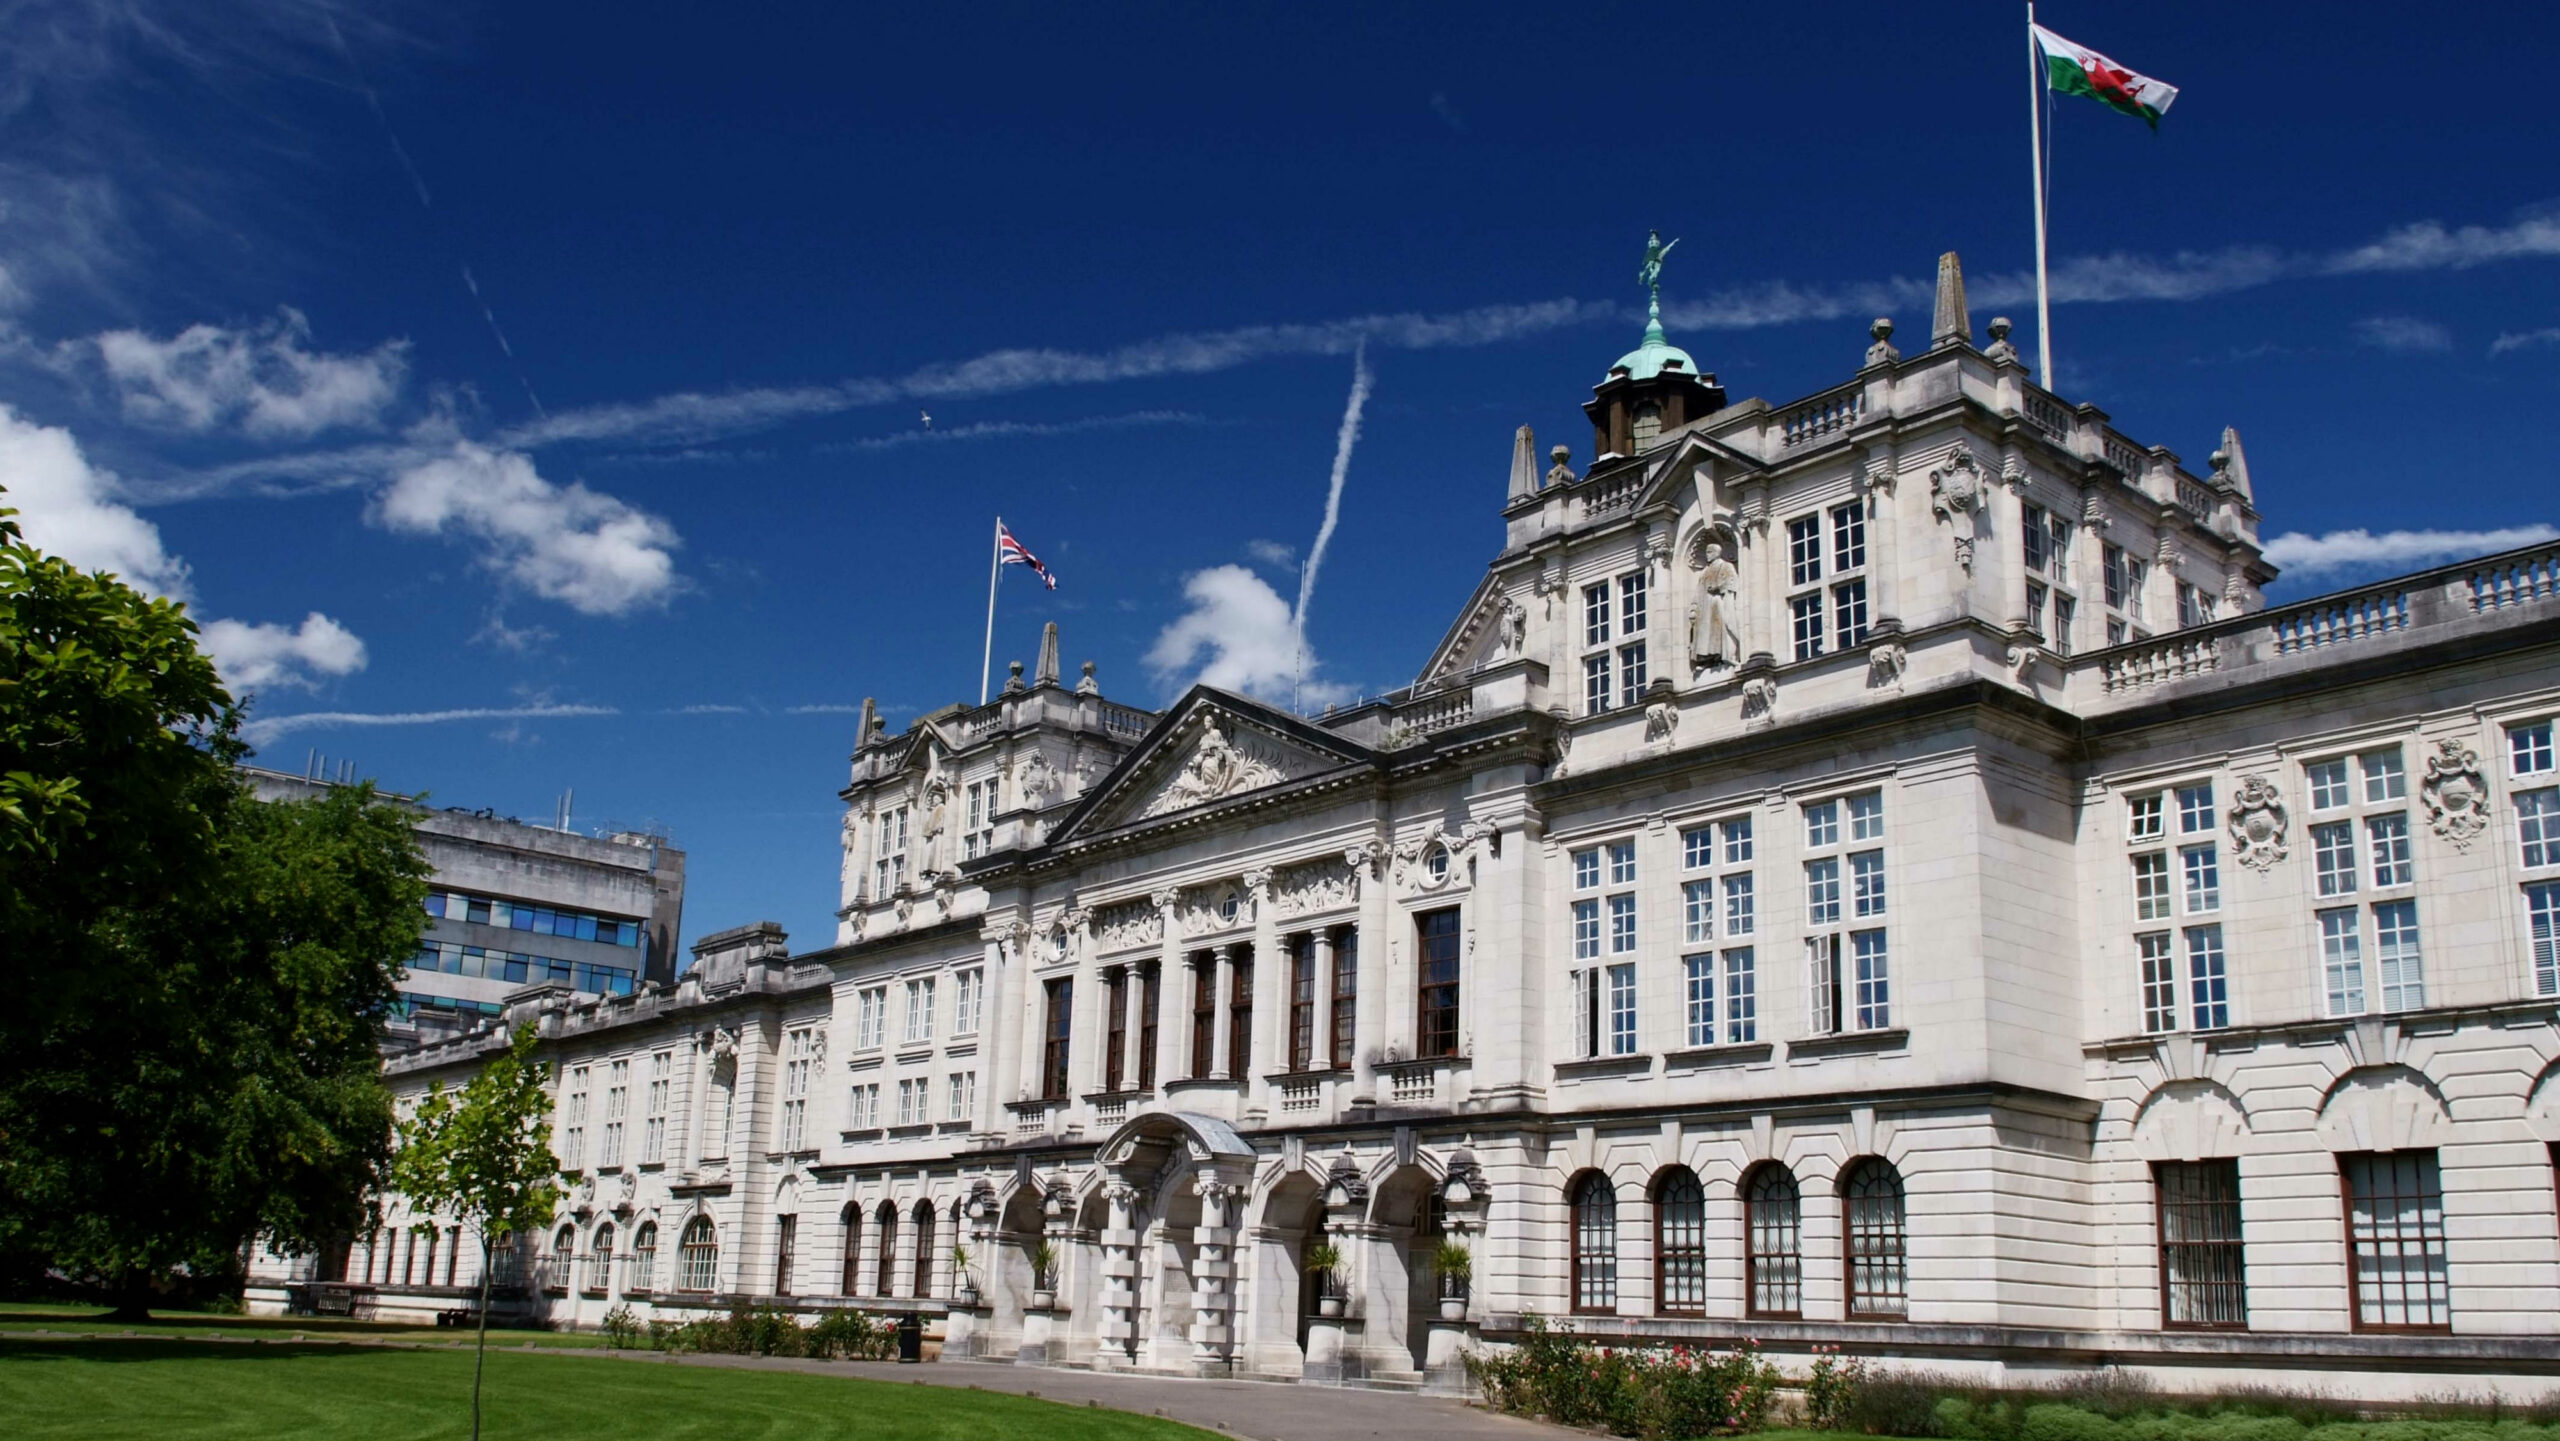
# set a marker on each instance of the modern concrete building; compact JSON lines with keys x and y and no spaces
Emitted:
{"x":1867,"y":871}
{"x":517,"y":905}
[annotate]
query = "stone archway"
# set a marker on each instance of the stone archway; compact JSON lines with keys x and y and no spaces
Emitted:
{"x":1174,"y":1188}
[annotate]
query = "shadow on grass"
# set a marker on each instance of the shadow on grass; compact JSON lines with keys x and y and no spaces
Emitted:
{"x":154,"y":1348}
{"x":211,"y":1321}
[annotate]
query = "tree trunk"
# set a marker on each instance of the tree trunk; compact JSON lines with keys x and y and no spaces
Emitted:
{"x":132,"y":1300}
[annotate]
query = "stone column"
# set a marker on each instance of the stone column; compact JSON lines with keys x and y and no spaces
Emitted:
{"x":1369,"y":1027}
{"x":1222,"y":1047}
{"x":1884,"y":535}
{"x":1320,"y":1052}
{"x":1030,"y":1023}
{"x":1173,"y":998}
{"x":1119,"y":1332}
{"x":1133,"y":1021}
{"x":1270,"y":994}
{"x":996,"y":980}
{"x":2000,"y":556}
{"x":1213,"y":1271}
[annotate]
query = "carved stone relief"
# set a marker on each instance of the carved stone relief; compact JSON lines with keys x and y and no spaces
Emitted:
{"x":1955,"y":496}
{"x":1886,"y":661}
{"x":2457,"y":797}
{"x":1660,"y":719}
{"x":1128,"y":925}
{"x":1759,"y":698}
{"x":1316,"y":886}
{"x":1216,"y":768}
{"x":2258,"y":823}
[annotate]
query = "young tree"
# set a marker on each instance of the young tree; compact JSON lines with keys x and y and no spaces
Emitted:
{"x":483,"y":1155}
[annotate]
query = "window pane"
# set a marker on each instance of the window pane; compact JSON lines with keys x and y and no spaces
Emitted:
{"x":2201,"y":1272}
{"x":1595,"y":1245}
{"x":1872,"y":1197}
{"x":1680,"y":1255}
{"x":2395,"y":1239}
{"x":1772,"y":1250}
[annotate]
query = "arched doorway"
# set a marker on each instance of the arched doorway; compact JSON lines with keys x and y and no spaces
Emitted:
{"x":1174,"y":1183}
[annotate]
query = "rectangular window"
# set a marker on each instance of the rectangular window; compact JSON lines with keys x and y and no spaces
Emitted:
{"x":1622,"y":863}
{"x":1699,"y":973}
{"x":2033,"y":539}
{"x":1595,"y":683}
{"x":2065,"y":609}
{"x":2208,"y":987}
{"x":1823,"y":990}
{"x":863,"y":1112}
{"x":2538,"y":826}
{"x":1240,"y":1014}
{"x":2529,"y":749}
{"x":617,"y":1100}
{"x":1346,"y":996}
{"x":978,"y":837}
{"x":1821,"y":825}
{"x":786,"y":1233}
{"x":2035,"y":608}
{"x":2387,"y":837}
{"x":1204,"y":1016}
{"x":2124,"y":576}
{"x":1805,"y":614}
{"x":2395,"y":955}
{"x":889,"y":852}
{"x":2395,"y":1241}
{"x":1849,"y":614}
{"x":1737,"y":904}
{"x":870,"y":1018}
{"x":2151,"y":886}
{"x":2342,"y":961}
{"x":573,"y":1138}
{"x":1302,"y":1002}
{"x":1741,"y":998}
{"x":1804,"y":550}
{"x":2333,"y":858}
{"x":1057,"y":1029}
{"x":653,"y":1129}
{"x":1631,"y":674}
{"x":1848,"y":537}
{"x":910,"y":1102}
{"x":1595,"y":614}
{"x":799,"y":1059}
{"x":2542,"y":921}
{"x":1622,"y":1009}
{"x":1875,"y":1010}
{"x":1586,"y":869}
{"x":1697,"y":912}
{"x":2145,"y":817}
{"x":1866,"y":884}
{"x":1436,"y":983}
{"x":2204,"y":879}
{"x":1586,"y":930}
{"x":2383,"y":778}
{"x":1737,"y":841}
{"x":1631,"y":603}
{"x":2202,"y":1275}
{"x":1822,"y":892}
{"x":1622,"y":925}
{"x":1115,"y":1027}
{"x":2117,"y":631}
{"x":2159,"y":982}
{"x":1150,"y":1006}
{"x":960,"y":1095}
{"x":2195,"y":809}
{"x":2328,"y":784}
{"x":2195,"y":605}
{"x":1698,"y":848}
{"x":919,"y":1011}
{"x":968,"y":996}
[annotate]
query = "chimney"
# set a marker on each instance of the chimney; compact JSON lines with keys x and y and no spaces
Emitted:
{"x":1950,"y":325}
{"x":1524,"y":465}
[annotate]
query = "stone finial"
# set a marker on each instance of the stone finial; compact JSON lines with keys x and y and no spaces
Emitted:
{"x":1088,"y":685}
{"x":1950,"y":323}
{"x":2231,"y":466}
{"x":1560,"y":473}
{"x":1046,"y":673}
{"x":1882,"y":352}
{"x":1013,"y":677}
{"x":1524,"y":464}
{"x":2001,"y":349}
{"x":870,"y":724}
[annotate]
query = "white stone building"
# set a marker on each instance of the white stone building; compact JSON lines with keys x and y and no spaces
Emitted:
{"x":1865,"y":871}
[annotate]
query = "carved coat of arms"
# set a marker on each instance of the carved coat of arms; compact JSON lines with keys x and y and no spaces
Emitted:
{"x":2258,"y":823}
{"x":2457,"y":797}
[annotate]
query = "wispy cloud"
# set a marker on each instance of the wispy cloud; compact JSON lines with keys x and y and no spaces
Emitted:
{"x":593,"y":552}
{"x":709,"y":710}
{"x":265,"y":381}
{"x":1010,"y":429}
{"x":1448,"y":113}
{"x":2431,"y":245}
{"x":830,"y":708}
{"x":2405,"y":333}
{"x":2303,"y":556}
{"x":268,"y":728}
{"x":1279,"y":555}
{"x":2525,"y":339}
{"x":1345,"y":437}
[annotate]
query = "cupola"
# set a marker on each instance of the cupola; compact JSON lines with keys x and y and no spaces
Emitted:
{"x":1654,"y":387}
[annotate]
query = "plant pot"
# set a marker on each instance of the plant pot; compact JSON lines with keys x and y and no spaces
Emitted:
{"x":1043,"y":1300}
{"x":1453,"y":1308}
{"x":1329,"y":1306}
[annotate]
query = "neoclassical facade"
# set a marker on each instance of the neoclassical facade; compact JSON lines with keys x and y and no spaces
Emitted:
{"x":1868,"y":871}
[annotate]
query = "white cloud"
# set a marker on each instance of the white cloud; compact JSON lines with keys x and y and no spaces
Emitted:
{"x":2406,"y":333}
{"x":1236,"y":636}
{"x":64,"y":510}
{"x":593,"y":552}
{"x":266,"y":381}
{"x":261,"y":731}
{"x":709,"y":710}
{"x":257,"y":657}
{"x":2430,"y":245}
{"x":1008,"y":429}
{"x":1279,"y":555}
{"x":2525,"y":339}
{"x":2339,"y":550}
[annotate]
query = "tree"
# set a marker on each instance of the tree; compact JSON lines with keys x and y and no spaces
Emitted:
{"x":198,"y":982}
{"x":483,"y":1156}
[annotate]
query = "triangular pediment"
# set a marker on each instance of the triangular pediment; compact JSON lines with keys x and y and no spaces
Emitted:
{"x":1211,"y":748}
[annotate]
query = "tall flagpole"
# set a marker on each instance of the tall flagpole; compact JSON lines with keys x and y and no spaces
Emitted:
{"x":995,"y":567}
{"x":2035,"y":146}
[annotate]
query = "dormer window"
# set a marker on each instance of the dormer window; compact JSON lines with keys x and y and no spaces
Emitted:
{"x":979,"y":836}
{"x":888,"y":852}
{"x":1614,"y":617}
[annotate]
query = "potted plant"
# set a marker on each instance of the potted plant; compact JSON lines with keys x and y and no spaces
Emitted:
{"x":1456,"y":1266}
{"x":1044,"y":1274}
{"x":1324,"y":1268}
{"x":962,"y":1282}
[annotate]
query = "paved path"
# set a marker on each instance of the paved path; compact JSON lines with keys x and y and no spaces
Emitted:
{"x":1260,"y":1410}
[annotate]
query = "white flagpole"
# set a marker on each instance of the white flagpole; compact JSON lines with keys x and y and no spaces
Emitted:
{"x":995,"y":567}
{"x":2035,"y":145}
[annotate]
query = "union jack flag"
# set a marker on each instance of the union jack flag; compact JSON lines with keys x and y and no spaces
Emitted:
{"x":1010,"y":552}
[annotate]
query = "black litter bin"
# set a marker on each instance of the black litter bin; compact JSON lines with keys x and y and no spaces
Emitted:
{"x":910,"y":1338}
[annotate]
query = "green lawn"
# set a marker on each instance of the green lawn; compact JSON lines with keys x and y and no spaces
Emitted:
{"x":91,"y":1321}
{"x":156,"y":1389}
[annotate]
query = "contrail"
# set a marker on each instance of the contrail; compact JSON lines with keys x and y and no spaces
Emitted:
{"x":1343,"y":440}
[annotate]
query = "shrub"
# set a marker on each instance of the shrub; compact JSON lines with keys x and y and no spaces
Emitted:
{"x":622,"y":1330}
{"x":1652,"y":1392}
{"x":852,"y":1336}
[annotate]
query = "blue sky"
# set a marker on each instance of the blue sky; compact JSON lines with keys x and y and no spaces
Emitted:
{"x":567,"y":372}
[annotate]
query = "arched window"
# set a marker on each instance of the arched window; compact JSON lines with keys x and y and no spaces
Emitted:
{"x":564,"y":1254}
{"x":888,"y":1275}
{"x":1679,"y":1244}
{"x":644,"y":1257}
{"x":1595,"y":1244}
{"x":600,"y":1260}
{"x":699,"y":1253}
{"x":924,"y":1248}
{"x":1871,"y":1197}
{"x":851,"y":1282}
{"x":1772,"y":1250}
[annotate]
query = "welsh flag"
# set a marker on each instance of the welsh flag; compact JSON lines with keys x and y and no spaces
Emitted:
{"x":2079,"y":70}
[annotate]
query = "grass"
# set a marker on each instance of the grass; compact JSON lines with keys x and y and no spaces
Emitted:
{"x":199,"y":1390}
{"x":24,"y":1316}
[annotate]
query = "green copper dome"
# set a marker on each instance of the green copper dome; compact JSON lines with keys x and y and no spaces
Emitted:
{"x":1650,"y":359}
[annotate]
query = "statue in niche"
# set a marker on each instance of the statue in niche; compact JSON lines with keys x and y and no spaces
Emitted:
{"x":1515,"y":629}
{"x":1715,"y":617}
